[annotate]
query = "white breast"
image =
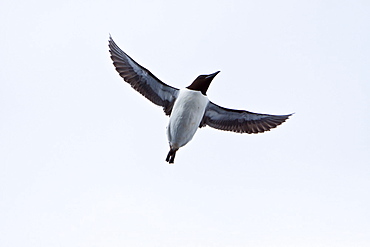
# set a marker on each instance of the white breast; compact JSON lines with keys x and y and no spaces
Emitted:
{"x":185,"y":118}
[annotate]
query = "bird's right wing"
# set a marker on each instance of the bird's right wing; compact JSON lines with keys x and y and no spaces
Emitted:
{"x":240,"y":121}
{"x":142,"y":80}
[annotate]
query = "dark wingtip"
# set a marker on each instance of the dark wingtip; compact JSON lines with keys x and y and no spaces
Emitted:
{"x":111,"y":41}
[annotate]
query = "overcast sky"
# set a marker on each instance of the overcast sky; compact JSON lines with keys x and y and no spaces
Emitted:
{"x":82,"y":155}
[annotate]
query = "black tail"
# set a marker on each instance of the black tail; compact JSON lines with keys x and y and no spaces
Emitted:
{"x":171,"y":156}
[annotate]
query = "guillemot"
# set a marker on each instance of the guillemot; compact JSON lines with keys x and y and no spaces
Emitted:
{"x":189,"y":108}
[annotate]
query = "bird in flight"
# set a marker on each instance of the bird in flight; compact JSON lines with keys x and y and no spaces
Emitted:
{"x":188,"y":108}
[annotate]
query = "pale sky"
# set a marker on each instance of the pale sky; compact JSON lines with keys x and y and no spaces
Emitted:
{"x":82,"y":155}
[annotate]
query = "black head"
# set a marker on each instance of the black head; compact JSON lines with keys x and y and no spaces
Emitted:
{"x":202,"y":82}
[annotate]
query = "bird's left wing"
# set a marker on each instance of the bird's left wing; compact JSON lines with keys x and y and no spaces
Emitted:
{"x":142,"y":80}
{"x":240,"y":121}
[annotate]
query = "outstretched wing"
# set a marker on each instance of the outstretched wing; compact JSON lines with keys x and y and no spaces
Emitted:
{"x":240,"y":121}
{"x":142,"y":80}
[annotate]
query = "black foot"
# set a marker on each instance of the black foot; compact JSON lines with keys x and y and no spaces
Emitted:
{"x":171,"y":156}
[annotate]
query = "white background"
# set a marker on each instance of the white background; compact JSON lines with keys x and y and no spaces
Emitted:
{"x":82,"y":154}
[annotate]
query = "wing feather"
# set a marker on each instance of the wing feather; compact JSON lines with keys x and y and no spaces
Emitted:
{"x":240,"y":121}
{"x":142,"y":80}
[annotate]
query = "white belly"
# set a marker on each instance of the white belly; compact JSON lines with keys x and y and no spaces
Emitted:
{"x":185,"y":118}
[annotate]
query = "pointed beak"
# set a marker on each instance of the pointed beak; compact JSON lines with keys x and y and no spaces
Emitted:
{"x":212,"y":75}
